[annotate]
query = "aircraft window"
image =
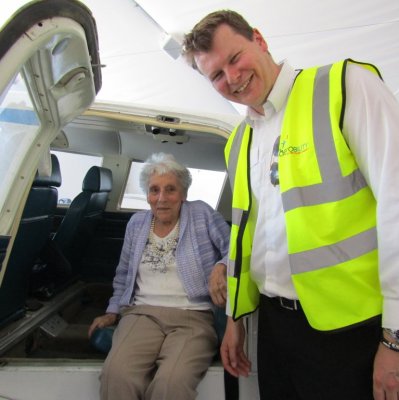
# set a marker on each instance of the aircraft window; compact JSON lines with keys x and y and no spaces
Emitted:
{"x":73,"y":170}
{"x":18,"y":128}
{"x":207,"y":186}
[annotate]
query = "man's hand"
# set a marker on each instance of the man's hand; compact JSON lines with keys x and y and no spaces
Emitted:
{"x":232,"y":349}
{"x":386,"y":374}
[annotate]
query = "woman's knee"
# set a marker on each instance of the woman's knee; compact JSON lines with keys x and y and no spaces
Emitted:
{"x":114,"y":371}
{"x":177,"y":385}
{"x":121,"y":382}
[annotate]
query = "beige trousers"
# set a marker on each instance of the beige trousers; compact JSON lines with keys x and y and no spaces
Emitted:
{"x":158,"y":353}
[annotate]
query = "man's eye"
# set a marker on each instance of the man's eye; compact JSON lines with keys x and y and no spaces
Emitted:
{"x":216,"y":77}
{"x":234,"y":59}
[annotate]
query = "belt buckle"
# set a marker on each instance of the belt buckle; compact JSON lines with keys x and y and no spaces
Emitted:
{"x":288,"y":304}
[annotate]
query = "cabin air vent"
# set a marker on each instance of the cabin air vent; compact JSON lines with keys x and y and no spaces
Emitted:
{"x":167,"y":135}
{"x":178,"y":139}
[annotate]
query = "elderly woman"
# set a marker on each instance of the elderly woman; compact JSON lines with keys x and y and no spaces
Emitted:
{"x":165,"y":339}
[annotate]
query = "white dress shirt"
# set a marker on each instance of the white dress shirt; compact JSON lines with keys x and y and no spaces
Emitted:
{"x":371,"y":128}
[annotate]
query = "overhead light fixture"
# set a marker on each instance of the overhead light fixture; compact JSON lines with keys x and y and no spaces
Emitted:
{"x":168,"y":42}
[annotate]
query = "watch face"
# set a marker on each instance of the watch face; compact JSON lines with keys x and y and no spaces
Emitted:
{"x":394,"y":334}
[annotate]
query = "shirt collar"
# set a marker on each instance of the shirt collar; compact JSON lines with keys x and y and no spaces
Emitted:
{"x":278,"y":95}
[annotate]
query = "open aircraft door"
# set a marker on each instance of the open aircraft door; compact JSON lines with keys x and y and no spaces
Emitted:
{"x":50,"y":72}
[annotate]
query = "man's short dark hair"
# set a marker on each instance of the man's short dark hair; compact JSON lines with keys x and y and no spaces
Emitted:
{"x":201,"y":36}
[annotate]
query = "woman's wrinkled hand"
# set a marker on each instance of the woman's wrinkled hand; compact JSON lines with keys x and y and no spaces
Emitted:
{"x":102,"y":321}
{"x":217,"y":285}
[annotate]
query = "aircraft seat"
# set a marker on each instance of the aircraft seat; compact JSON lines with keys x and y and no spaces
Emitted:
{"x":83,"y":215}
{"x":32,"y":235}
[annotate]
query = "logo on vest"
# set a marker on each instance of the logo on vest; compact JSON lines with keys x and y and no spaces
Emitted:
{"x":285,"y":149}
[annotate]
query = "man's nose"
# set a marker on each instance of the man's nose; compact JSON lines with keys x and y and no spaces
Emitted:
{"x":232,"y":74}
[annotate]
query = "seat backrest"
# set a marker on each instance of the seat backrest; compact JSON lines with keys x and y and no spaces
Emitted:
{"x":84,"y":213}
{"x":33,"y":232}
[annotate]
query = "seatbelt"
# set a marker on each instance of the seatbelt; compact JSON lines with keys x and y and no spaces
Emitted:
{"x":231,"y":387}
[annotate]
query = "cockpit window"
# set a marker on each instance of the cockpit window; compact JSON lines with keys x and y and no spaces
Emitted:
{"x":19,"y":126}
{"x":73,"y":170}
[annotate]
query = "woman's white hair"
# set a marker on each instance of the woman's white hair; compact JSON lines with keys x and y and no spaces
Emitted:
{"x":160,"y":164}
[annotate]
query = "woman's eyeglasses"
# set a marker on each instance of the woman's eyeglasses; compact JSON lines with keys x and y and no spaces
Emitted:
{"x":274,"y":179}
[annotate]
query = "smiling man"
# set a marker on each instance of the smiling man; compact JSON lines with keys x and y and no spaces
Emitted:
{"x":313,"y":170}
{"x":241,"y":70}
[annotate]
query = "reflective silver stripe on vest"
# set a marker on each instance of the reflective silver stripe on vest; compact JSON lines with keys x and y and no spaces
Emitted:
{"x":234,"y":152}
{"x":236,"y":216}
{"x":231,"y":267}
{"x":237,"y":213}
{"x":334,"y":186}
{"x":327,"y":256}
{"x":324,"y":193}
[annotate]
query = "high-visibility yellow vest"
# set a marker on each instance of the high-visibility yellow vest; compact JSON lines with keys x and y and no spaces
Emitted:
{"x":330,"y":211}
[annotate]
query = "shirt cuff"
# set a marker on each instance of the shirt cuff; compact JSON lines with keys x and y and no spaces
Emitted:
{"x":390,"y":315}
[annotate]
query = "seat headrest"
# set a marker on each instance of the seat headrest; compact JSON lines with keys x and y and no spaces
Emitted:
{"x":54,"y":179}
{"x":97,"y":179}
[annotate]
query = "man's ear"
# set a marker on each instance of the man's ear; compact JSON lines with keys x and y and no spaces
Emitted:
{"x":259,"y":40}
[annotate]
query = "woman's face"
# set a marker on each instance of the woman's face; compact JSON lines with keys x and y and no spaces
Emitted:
{"x":165,"y":196}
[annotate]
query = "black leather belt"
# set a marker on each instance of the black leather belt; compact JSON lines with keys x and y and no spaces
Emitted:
{"x":288,"y":304}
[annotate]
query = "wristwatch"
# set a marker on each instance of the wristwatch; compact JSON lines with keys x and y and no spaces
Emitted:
{"x":393,"y":334}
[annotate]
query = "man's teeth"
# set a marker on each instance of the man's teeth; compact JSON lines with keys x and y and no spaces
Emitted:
{"x":241,"y":88}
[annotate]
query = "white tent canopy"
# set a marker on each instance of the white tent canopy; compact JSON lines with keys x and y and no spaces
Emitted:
{"x":305,"y":32}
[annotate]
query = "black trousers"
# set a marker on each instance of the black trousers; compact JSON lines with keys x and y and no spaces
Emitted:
{"x":296,"y":362}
